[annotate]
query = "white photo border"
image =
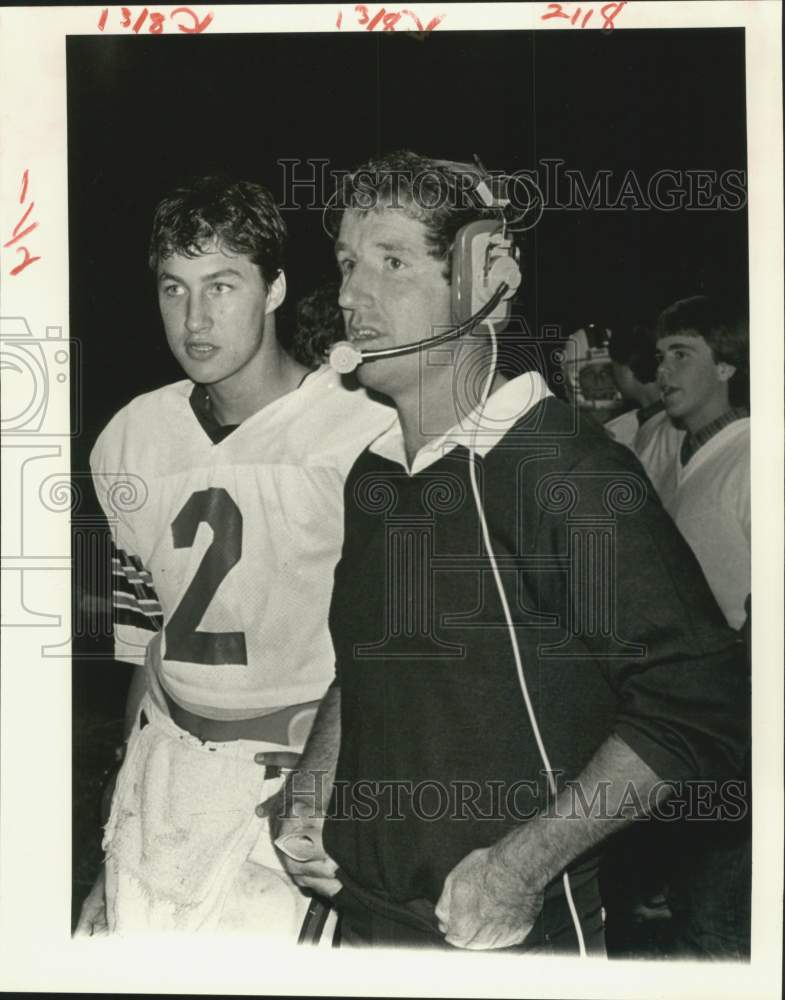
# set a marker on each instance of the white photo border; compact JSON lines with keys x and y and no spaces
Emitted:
{"x":36,"y":949}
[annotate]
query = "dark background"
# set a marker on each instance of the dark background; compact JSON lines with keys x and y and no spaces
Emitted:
{"x":144,"y":113}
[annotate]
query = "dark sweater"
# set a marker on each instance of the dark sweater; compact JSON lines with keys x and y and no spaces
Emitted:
{"x":429,"y":691}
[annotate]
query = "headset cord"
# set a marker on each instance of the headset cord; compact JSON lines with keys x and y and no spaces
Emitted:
{"x":508,"y":619}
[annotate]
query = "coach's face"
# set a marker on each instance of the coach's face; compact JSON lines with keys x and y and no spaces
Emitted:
{"x":214,"y":308}
{"x":392,"y":292}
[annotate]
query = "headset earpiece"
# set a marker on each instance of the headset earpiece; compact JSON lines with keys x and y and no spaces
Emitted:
{"x":482,"y":258}
{"x":503,"y":266}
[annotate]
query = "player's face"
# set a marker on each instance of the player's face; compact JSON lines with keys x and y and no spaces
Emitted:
{"x":693,"y":386}
{"x":214,"y":308}
{"x":392,"y":292}
{"x":597,"y":382}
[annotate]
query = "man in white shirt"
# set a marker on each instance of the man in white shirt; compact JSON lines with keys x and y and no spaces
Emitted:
{"x":706,"y":488}
{"x":702,"y":346}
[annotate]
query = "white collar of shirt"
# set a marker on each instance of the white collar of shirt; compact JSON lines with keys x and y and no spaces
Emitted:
{"x":481,"y":429}
{"x":716,"y":443}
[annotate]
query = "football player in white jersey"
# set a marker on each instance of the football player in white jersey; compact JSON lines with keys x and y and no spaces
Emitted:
{"x":224,"y":496}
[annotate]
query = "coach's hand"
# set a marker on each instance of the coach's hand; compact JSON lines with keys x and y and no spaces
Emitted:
{"x":301,"y":834}
{"x":92,"y":919}
{"x":485,"y":904}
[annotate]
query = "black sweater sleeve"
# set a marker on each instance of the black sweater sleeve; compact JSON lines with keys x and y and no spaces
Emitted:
{"x":683,"y":695}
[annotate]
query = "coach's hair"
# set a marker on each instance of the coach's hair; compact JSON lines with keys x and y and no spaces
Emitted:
{"x":439,"y":193}
{"x":722,"y":324}
{"x":238,"y":216}
{"x":635,"y":345}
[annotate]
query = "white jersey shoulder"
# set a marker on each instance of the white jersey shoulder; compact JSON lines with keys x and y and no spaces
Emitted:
{"x":237,"y":540}
{"x":657,"y":445}
{"x":623,"y":428}
{"x":709,"y":499}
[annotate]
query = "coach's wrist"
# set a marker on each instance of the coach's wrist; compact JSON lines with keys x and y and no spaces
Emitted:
{"x":526,"y":854}
{"x":308,"y":792}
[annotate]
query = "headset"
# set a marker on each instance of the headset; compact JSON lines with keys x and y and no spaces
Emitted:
{"x":485,"y":275}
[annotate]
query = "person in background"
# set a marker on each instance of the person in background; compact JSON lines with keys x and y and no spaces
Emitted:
{"x":646,"y":428}
{"x":587,"y":375}
{"x":318,"y":324}
{"x":703,"y":349}
{"x":702,"y":374}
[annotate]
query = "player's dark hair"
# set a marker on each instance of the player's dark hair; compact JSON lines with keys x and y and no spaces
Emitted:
{"x":439,"y":193}
{"x":635,"y":345}
{"x":239,"y":216}
{"x":722,"y":324}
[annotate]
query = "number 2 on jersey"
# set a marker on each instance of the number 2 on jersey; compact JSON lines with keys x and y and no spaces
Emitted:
{"x":216,"y":508}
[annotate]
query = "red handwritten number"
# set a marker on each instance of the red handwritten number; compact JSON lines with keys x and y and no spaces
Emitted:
{"x":198,"y":26}
{"x":19,"y":233}
{"x":608,"y":22}
{"x":388,"y":19}
{"x":157,"y":20}
{"x":28,"y":260}
{"x":140,"y":21}
{"x":609,"y":12}
{"x":556,"y":12}
{"x":16,"y":234}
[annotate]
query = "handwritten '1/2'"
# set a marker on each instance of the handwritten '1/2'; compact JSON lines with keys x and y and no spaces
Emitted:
{"x":180,"y":16}
{"x":19,"y":233}
{"x":388,"y":19}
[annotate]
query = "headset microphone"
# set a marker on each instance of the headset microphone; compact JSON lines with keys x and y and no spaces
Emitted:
{"x":344,"y":357}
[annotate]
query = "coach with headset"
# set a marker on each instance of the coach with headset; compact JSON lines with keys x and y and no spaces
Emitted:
{"x":528,"y":657}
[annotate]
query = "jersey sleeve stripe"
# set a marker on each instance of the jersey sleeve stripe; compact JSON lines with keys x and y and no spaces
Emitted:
{"x":135,"y":575}
{"x":147,"y":606}
{"x":130,"y":576}
{"x":127,"y":616}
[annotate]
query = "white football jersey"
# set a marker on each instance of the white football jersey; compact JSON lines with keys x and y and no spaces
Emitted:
{"x":231,"y":546}
{"x":657,"y":444}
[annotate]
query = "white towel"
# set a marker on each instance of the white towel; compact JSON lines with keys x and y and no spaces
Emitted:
{"x":181,"y":831}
